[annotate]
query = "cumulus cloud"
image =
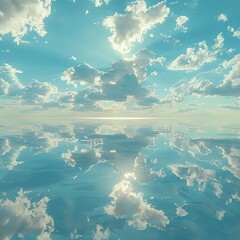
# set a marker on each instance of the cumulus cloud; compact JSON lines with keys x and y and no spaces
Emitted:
{"x":219,"y":41}
{"x":180,"y":21}
{"x":131,"y":206}
{"x":23,"y":217}
{"x":235,"y":33}
{"x":143,"y":173}
{"x":229,"y":86}
{"x":193,"y":173}
{"x":233,"y":157}
{"x":4,"y":86}
{"x":4,"y":146}
{"x":35,"y":140}
{"x":9,"y":160}
{"x":109,"y":148}
{"x":38,"y":92}
{"x":181,"y":212}
{"x":34,"y":93}
{"x":82,"y":159}
{"x":130,"y":27}
{"x":192,"y":147}
{"x":101,"y":233}
{"x":222,"y":17}
{"x":38,"y":141}
{"x":220,"y":214}
{"x":99,"y":3}
{"x":9,"y":154}
{"x":82,"y":74}
{"x":20,"y":16}
{"x":118,"y":87}
{"x":9,"y":79}
{"x":118,"y":84}
{"x":194,"y":58}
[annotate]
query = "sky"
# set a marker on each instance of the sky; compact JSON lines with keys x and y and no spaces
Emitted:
{"x":119,"y":58}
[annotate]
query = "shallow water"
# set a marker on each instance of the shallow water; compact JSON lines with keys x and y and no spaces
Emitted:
{"x":119,"y":180}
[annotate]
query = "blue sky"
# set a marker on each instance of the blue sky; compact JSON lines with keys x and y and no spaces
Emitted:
{"x":119,"y":57}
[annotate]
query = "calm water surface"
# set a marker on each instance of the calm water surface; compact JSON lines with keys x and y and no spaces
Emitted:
{"x":119,"y":181}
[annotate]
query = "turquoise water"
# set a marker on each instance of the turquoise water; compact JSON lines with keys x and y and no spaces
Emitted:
{"x":119,"y":180}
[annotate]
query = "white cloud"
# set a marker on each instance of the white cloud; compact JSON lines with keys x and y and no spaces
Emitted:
{"x":4,"y":86}
{"x":119,"y":84}
{"x":233,"y":157}
{"x":220,"y":214}
{"x":198,"y":86}
{"x":193,"y":147}
{"x":105,"y":146}
{"x":73,"y":58}
{"x":9,"y":75}
{"x":82,"y":159}
{"x":194,"y":58}
{"x":154,"y":73}
{"x":99,"y":3}
{"x":130,"y":27}
{"x":38,"y":92}
{"x":4,"y":146}
{"x":40,"y":141}
{"x":10,"y":159}
{"x":230,"y":50}
{"x":82,"y":73}
{"x":9,"y":154}
{"x":100,"y":233}
{"x":193,"y":173}
{"x":142,"y":172}
{"x":219,"y":41}
{"x":34,"y":93}
{"x":20,"y":16}
{"x":222,"y":17}
{"x":181,"y":212}
{"x":75,"y":234}
{"x":131,"y":206}
{"x":22,"y":217}
{"x":236,"y":33}
{"x":180,"y":21}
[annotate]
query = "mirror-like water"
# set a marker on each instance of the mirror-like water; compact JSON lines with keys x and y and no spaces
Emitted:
{"x":119,"y":181}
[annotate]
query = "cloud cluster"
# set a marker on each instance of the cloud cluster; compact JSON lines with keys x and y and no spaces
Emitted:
{"x":37,"y":92}
{"x":131,"y":206}
{"x":118,"y":84}
{"x":181,"y":212}
{"x":233,"y":157}
{"x":229,"y":86}
{"x":34,"y":93}
{"x":130,"y":27}
{"x":22,"y":218}
{"x":222,"y":17}
{"x":180,"y":21}
{"x":99,"y":3}
{"x":193,"y":173}
{"x":9,"y":78}
{"x":17,"y":17}
{"x":235,"y":33}
{"x":35,"y":140}
{"x":194,"y":58}
{"x":101,"y":233}
{"x":81,"y":74}
{"x":113,"y":148}
{"x":192,"y":147}
{"x":4,"y":86}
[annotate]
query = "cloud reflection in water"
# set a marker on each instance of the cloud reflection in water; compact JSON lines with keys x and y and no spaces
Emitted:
{"x":114,"y":181}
